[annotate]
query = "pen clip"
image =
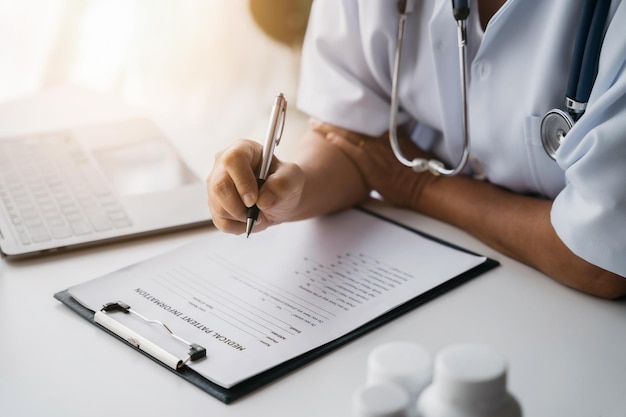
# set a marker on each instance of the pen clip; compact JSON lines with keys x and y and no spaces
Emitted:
{"x":282,"y":115}
{"x":274,"y":133}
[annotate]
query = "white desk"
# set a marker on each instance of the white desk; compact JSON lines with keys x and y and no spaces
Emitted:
{"x":566,"y":350}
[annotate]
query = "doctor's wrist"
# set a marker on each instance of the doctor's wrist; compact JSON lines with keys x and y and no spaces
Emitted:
{"x":426,"y":192}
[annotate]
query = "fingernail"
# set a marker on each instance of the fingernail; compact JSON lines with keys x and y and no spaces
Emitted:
{"x":314,"y":123}
{"x":248,"y":199}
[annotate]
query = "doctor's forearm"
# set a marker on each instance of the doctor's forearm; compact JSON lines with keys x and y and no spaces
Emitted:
{"x":518,"y":226}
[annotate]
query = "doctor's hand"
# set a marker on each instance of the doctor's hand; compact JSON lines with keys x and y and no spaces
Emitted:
{"x":232,"y":188}
{"x":381,"y":171}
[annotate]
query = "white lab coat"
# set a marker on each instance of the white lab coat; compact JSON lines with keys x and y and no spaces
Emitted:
{"x":518,"y":71}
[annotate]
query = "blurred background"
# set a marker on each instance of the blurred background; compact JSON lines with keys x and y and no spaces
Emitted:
{"x":189,"y":59}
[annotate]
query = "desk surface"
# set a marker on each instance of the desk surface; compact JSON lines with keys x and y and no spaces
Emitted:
{"x":566,"y":349}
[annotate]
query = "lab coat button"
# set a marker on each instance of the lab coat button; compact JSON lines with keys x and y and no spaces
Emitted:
{"x":478,"y":169}
{"x":481,"y":69}
{"x":440,"y":46}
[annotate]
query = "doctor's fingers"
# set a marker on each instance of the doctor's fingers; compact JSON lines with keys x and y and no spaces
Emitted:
{"x":380,"y":169}
{"x":281,"y":193}
{"x":325,"y":129}
{"x":239,"y":163}
{"x":278,"y":198}
{"x":227,"y":210}
{"x":363,"y":151}
{"x":231,"y":178}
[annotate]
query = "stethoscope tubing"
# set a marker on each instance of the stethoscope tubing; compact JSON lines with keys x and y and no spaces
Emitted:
{"x":591,"y":53}
{"x":393,"y":114}
{"x":557,"y":123}
{"x":435,"y":166}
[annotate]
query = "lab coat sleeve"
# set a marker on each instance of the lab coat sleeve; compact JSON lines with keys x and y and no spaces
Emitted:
{"x":340,"y":81}
{"x":589,"y":215}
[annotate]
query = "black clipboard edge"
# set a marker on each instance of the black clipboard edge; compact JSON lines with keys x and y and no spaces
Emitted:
{"x":229,"y":395}
{"x":419,"y":232}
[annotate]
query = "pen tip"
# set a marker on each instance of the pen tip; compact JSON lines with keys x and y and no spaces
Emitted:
{"x":249,"y":224}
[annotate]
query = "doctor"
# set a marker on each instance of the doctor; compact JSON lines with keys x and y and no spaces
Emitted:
{"x":565,"y":216}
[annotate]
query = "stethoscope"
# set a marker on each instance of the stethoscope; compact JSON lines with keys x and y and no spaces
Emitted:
{"x":555,"y":124}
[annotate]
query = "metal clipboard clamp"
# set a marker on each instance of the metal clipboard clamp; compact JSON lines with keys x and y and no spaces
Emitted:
{"x":103,"y":318}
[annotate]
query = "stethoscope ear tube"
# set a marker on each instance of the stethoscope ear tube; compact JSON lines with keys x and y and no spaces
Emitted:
{"x":419,"y":164}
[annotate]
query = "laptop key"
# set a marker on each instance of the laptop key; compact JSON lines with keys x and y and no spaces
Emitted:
{"x":99,"y":221}
{"x":121,"y":223}
{"x":39,"y":234}
{"x":81,"y":228}
{"x":24,"y":237}
{"x":60,"y":232}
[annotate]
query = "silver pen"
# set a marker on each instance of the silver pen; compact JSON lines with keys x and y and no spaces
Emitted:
{"x":277,"y":121}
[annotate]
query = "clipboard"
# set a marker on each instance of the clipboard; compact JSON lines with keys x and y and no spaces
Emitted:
{"x":236,"y":392}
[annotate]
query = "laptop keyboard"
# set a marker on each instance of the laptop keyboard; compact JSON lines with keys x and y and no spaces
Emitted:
{"x":51,"y":190}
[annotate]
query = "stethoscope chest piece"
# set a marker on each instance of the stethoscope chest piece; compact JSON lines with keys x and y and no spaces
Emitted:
{"x":557,"y":123}
{"x":554,"y":126}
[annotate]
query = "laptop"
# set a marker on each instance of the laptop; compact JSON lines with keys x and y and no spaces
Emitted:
{"x":93,"y":184}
